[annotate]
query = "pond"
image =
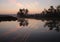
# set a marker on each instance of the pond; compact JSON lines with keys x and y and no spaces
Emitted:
{"x":30,"y":30}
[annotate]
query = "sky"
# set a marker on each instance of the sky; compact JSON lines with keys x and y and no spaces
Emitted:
{"x":34,"y":6}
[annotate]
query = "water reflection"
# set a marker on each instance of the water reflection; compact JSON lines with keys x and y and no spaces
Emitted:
{"x":23,"y":21}
{"x":29,"y":31}
{"x":53,"y":24}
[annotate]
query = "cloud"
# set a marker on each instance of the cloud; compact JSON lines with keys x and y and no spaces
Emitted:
{"x":15,"y":2}
{"x":19,"y":4}
{"x":32,"y":5}
{"x":12,"y":1}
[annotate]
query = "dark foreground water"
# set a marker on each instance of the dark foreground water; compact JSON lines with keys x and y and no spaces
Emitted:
{"x":30,"y":30}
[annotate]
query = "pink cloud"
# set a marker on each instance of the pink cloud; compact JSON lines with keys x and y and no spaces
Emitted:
{"x":32,"y":6}
{"x":12,"y":1}
{"x":19,"y":4}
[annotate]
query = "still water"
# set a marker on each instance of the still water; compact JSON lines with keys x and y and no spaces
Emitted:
{"x":30,"y":30}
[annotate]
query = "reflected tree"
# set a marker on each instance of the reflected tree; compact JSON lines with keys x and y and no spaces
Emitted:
{"x":23,"y":22}
{"x":53,"y":24}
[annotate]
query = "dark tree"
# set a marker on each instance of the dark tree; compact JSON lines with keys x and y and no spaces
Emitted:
{"x":26,"y":11}
{"x":58,"y":9}
{"x":22,"y":12}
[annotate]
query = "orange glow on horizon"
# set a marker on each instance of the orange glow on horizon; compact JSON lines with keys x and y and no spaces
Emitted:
{"x":15,"y":11}
{"x":34,"y":6}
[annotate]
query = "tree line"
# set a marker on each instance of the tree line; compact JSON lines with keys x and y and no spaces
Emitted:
{"x":50,"y":12}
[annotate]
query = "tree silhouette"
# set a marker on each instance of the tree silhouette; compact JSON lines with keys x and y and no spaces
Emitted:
{"x":22,"y":12}
{"x":58,"y":9}
{"x":51,"y":9}
{"x":26,"y":11}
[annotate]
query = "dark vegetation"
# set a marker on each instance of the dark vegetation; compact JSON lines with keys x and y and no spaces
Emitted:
{"x":7,"y":18}
{"x":47,"y":14}
{"x":52,"y":13}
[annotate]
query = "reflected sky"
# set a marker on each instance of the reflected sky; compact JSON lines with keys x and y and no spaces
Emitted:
{"x":11,"y":31}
